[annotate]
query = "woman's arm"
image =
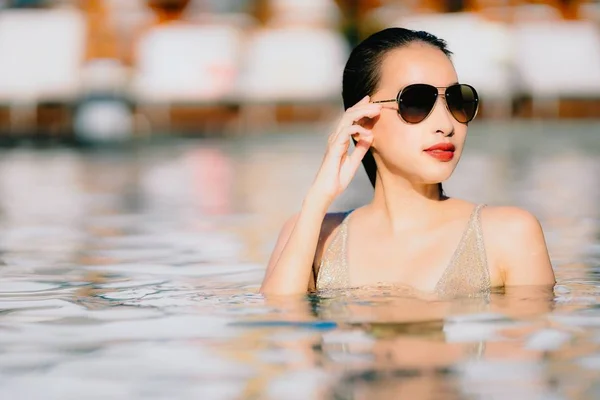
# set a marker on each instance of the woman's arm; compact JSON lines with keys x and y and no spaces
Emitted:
{"x":291,"y":263}
{"x":521,"y":247}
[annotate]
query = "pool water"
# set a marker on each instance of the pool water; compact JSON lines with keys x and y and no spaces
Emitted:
{"x":133,"y":274}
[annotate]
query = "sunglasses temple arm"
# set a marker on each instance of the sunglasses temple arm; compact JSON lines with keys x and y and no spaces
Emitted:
{"x":384,"y":101}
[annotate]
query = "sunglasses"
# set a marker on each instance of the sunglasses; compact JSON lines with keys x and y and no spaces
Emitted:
{"x":415,"y":102}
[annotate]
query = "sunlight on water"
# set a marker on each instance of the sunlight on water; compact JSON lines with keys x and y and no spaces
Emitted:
{"x":133,"y":274}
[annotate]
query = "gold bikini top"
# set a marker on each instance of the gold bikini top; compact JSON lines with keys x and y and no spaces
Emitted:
{"x":466,"y":274}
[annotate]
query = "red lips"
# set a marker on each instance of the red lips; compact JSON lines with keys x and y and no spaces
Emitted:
{"x":441,"y":147}
{"x":441,"y":151}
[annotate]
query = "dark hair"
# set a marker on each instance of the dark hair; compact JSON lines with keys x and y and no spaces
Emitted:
{"x":362,"y":71}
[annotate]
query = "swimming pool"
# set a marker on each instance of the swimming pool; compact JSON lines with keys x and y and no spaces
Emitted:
{"x":132,"y":273}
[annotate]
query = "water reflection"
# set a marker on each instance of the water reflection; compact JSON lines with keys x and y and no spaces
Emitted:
{"x":569,"y":183}
{"x":133,"y":274}
{"x":385,"y":346}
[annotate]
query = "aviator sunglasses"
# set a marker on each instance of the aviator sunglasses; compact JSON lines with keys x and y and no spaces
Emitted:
{"x":415,"y":102}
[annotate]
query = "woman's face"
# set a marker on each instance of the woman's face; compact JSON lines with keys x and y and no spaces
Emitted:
{"x":399,"y":147}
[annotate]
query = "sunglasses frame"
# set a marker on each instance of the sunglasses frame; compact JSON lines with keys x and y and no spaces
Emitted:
{"x":438,"y":94}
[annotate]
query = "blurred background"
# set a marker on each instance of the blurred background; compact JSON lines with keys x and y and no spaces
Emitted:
{"x":101,"y":70}
{"x":218,"y":110}
{"x":150,"y":151}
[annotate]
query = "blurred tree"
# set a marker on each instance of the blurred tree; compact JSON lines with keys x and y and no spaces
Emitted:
{"x":570,"y":8}
{"x":102,"y":40}
{"x":168,"y":10}
{"x":355,"y":26}
{"x":261,"y":11}
{"x":28,"y":3}
{"x":455,"y":5}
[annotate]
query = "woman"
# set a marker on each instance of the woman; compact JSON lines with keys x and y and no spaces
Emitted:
{"x":407,"y":116}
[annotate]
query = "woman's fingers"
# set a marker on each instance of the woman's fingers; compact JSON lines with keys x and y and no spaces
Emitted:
{"x":342,"y":141}
{"x":351,"y":164}
{"x":352,"y":117}
{"x":363,"y":145}
{"x":338,"y":167}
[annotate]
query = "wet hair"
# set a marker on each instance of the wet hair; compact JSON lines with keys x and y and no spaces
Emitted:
{"x":363,"y":71}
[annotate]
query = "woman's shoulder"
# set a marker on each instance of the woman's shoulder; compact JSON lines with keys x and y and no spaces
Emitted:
{"x":516,"y":244}
{"x":504,"y":220}
{"x":500,"y":219}
{"x":505,"y":228}
{"x":519,"y":240}
{"x":508,"y":228}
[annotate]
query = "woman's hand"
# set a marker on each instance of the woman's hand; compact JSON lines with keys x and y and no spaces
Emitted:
{"x":338,"y":167}
{"x":291,"y":264}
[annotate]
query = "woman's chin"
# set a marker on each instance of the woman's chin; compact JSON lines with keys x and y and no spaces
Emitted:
{"x":438,"y":175}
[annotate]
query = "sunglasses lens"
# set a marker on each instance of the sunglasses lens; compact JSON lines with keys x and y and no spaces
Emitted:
{"x":416,"y":102}
{"x":462,"y":102}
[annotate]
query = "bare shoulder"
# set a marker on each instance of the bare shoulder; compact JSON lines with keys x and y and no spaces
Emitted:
{"x":514,"y":220}
{"x":510,"y":228}
{"x":516,"y":245}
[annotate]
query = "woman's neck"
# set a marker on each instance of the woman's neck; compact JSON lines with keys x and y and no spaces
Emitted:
{"x":404,"y":204}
